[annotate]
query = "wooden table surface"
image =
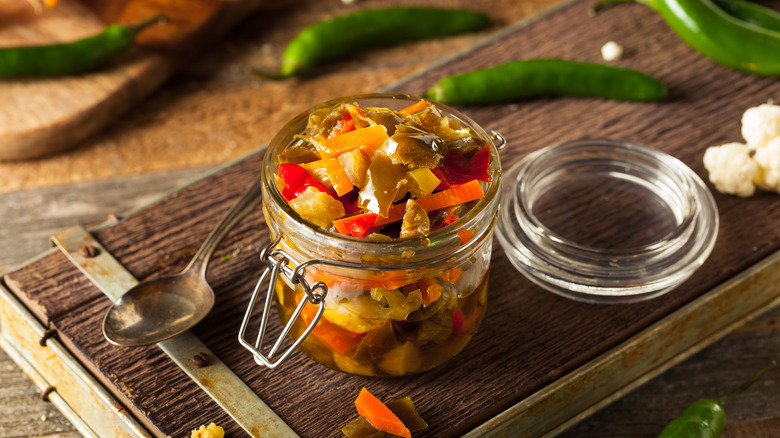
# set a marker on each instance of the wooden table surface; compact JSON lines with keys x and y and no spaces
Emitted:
{"x":215,"y":95}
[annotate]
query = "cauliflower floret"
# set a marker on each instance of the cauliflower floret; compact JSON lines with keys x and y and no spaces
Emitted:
{"x":760,"y":125}
{"x":732,"y":169}
{"x":768,"y":159}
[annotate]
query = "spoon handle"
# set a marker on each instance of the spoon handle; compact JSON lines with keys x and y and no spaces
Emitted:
{"x":248,"y":201}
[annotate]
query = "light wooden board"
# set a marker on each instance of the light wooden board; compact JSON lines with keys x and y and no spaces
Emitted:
{"x":42,"y":116}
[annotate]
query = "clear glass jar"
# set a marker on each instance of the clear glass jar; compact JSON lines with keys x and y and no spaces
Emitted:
{"x":395,"y":307}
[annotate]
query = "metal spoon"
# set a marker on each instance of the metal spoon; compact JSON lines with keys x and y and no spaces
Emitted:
{"x":163,"y":307}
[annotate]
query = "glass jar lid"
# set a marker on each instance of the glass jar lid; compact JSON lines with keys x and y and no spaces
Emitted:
{"x":606,"y":221}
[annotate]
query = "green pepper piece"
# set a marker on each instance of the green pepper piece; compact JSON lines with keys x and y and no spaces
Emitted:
{"x":73,"y":57}
{"x":381,"y":184}
{"x":727,"y":40}
{"x":416,"y":150}
{"x":362,"y":428}
{"x":404,"y":409}
{"x":340,"y":36}
{"x":385,"y":117}
{"x":546,"y":77}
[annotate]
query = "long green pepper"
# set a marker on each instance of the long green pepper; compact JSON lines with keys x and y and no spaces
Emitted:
{"x":546,"y":77}
{"x":332,"y":39}
{"x":73,"y":57}
{"x":730,"y":41}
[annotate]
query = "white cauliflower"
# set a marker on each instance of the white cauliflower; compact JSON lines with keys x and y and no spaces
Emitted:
{"x":732,"y":169}
{"x":768,"y":159}
{"x":760,"y":125}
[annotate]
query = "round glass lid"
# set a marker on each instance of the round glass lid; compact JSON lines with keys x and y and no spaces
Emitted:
{"x":606,"y":221}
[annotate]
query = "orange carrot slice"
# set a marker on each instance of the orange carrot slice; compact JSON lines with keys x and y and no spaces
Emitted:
{"x":379,"y":415}
{"x":338,"y":177}
{"x":413,"y":108}
{"x":365,"y":137}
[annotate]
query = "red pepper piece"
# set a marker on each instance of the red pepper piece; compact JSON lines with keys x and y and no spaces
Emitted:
{"x":457,"y":321}
{"x":296,"y":180}
{"x":346,"y":124}
{"x":359,"y":226}
{"x":450,"y":219}
{"x":349,"y":201}
{"x":439,"y":173}
{"x":458,"y":169}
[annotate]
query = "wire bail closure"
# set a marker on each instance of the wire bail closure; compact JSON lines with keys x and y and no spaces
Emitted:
{"x":279,"y":262}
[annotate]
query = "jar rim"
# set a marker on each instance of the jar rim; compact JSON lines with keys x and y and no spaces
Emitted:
{"x":589,"y":273}
{"x":436,"y":240}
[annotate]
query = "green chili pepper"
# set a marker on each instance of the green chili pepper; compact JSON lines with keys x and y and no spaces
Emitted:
{"x":73,"y":57}
{"x":727,"y":40}
{"x":332,"y":39}
{"x":540,"y":77}
{"x":705,"y":418}
{"x":752,"y":12}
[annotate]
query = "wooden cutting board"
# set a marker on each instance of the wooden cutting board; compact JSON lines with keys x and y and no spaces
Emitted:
{"x":48,"y":115}
{"x":530,"y":341}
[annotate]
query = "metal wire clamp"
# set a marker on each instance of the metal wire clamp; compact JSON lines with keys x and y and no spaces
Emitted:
{"x":279,"y":262}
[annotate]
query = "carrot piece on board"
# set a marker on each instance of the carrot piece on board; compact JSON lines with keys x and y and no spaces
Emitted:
{"x":379,"y":415}
{"x":413,"y":108}
{"x":363,"y":137}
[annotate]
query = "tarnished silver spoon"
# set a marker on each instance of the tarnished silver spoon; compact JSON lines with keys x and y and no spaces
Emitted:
{"x":163,"y":307}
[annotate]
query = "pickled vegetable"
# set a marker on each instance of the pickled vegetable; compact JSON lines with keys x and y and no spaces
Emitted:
{"x":380,"y":158}
{"x":403,"y":408}
{"x":415,"y":222}
{"x":317,"y":207}
{"x":379,"y":415}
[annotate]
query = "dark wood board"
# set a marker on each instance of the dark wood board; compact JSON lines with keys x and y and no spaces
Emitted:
{"x":529,"y":339}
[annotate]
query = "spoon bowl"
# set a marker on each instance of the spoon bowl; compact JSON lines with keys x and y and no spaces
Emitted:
{"x":162,"y":307}
{"x":158,"y":309}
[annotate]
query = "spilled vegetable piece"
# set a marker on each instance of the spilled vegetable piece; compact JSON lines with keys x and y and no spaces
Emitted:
{"x":71,"y":58}
{"x":210,"y":431}
{"x":725,"y":39}
{"x":398,"y":166}
{"x":341,"y":36}
{"x":546,"y":77}
{"x":402,"y":410}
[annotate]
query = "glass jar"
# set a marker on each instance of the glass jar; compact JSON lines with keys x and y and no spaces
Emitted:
{"x":392,"y":307}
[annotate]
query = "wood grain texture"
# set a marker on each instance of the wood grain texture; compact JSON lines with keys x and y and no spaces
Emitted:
{"x":31,"y":216}
{"x":43,"y":116}
{"x":550,"y":336}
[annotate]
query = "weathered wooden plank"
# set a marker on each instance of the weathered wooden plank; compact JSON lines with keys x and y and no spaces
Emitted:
{"x":29,"y":217}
